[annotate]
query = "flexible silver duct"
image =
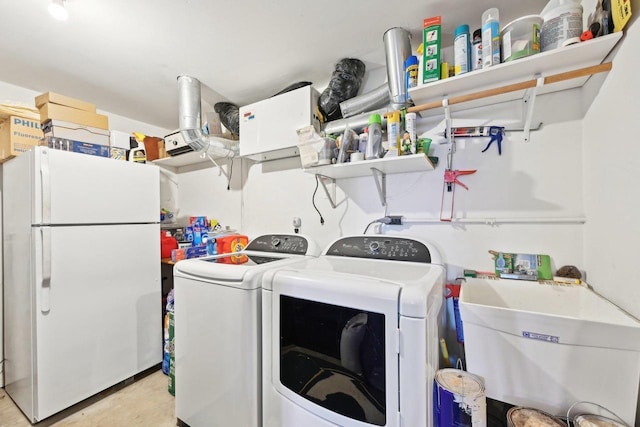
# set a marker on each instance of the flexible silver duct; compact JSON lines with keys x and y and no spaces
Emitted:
{"x":189,"y":100}
{"x":393,"y":94}
{"x":378,"y":97}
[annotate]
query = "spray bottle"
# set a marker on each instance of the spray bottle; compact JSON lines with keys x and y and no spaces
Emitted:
{"x":490,"y":38}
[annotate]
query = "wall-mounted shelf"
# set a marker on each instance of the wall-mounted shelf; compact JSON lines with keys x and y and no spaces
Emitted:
{"x":544,"y":64}
{"x":387,"y":165}
{"x":187,"y":162}
{"x":377,"y":168}
{"x":186,"y":159}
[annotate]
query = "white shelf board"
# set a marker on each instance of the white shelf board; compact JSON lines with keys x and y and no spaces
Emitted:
{"x":185,"y":159}
{"x":387,"y":165}
{"x":544,"y":64}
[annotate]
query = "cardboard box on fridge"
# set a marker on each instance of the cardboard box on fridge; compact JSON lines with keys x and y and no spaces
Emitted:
{"x":77,"y":146}
{"x":55,"y":98}
{"x":68,"y":130}
{"x":73,"y":115}
{"x":17,"y":135}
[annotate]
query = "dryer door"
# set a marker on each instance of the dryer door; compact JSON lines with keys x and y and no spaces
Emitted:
{"x":335,"y":346}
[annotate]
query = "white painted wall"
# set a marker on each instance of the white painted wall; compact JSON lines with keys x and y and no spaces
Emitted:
{"x":16,"y":94}
{"x":611,"y":164}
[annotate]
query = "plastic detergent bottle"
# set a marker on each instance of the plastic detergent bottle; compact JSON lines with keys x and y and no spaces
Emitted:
{"x":374,"y":143}
{"x":490,"y":37}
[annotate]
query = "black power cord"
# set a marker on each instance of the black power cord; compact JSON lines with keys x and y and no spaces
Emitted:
{"x":313,"y":200}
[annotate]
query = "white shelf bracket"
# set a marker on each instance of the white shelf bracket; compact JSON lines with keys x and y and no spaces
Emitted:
{"x":528,"y":102}
{"x":221,"y":171}
{"x":331,"y":195}
{"x":447,"y":120}
{"x":380,"y":179}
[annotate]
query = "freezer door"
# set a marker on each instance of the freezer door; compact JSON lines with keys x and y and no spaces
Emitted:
{"x":73,"y":188}
{"x":98,"y":309}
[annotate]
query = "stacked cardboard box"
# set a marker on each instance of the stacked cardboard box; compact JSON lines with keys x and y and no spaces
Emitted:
{"x":17,"y":135}
{"x":73,"y":125}
{"x":60,"y":107}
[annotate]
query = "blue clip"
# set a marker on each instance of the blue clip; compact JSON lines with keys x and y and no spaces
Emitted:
{"x":496,"y":133}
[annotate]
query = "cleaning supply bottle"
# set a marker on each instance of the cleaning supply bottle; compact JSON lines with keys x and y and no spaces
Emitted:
{"x":137,"y":153}
{"x":411,"y":69}
{"x":374,"y":143}
{"x":490,"y":38}
{"x":461,"y":50}
{"x":393,"y":133}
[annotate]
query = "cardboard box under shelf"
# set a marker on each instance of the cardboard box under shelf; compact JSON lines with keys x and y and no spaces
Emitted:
{"x":73,"y":115}
{"x":56,"y":98}
{"x":17,"y":135}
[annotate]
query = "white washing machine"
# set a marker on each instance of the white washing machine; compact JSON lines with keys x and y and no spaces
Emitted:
{"x":351,"y":338}
{"x":218,"y":332}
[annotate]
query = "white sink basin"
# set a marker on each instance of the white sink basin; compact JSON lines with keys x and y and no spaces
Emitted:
{"x":548,"y":346}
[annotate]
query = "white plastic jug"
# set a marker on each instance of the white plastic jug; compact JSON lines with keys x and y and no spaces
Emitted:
{"x":562,"y":24}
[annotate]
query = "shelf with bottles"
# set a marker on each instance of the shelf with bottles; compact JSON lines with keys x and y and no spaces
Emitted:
{"x":491,"y":82}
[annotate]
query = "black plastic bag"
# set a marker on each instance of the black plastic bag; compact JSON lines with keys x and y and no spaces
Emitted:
{"x":229,"y":116}
{"x":345,"y":83}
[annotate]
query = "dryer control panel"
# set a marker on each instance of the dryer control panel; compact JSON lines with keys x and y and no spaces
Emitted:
{"x":381,"y":247}
{"x":279,"y":243}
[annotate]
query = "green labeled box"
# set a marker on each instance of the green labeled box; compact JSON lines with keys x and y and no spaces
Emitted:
{"x":522,"y":266}
{"x":431,"y":44}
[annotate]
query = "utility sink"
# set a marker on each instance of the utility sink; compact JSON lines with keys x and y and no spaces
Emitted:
{"x":548,"y":346}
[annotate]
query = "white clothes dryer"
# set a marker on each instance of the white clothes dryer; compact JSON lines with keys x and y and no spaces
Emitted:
{"x":351,"y":338}
{"x":218,"y":333}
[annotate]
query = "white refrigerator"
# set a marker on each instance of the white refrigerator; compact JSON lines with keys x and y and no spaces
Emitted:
{"x":82,"y":287}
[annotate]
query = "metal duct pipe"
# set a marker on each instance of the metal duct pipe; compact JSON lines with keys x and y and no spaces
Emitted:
{"x":357,"y":123}
{"x":189,"y":100}
{"x":376,"y":98}
{"x":397,"y":48}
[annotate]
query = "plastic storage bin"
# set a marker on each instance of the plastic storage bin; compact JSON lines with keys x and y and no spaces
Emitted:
{"x":521,"y":37}
{"x":549,"y":346}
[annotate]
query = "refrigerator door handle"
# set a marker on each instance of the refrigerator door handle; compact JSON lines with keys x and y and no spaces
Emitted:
{"x":45,"y":182}
{"x":45,"y":301}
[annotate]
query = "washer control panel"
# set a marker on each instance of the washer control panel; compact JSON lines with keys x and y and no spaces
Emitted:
{"x":381,"y":247}
{"x":279,"y":243}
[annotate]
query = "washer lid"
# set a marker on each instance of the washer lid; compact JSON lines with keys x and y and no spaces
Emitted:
{"x":225,"y":270}
{"x":421,"y":285}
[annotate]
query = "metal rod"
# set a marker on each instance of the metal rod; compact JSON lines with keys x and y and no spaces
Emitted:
{"x":581,"y":72}
{"x":492,"y":221}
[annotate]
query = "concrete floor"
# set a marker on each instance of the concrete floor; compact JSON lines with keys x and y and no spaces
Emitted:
{"x":143,"y":403}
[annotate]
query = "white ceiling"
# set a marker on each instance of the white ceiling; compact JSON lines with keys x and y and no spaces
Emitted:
{"x":124,"y":55}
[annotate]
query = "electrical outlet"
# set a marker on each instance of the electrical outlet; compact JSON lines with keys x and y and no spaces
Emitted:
{"x":395,"y":220}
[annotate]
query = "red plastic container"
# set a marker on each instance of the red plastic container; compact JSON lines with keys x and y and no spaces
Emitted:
{"x":167,"y":243}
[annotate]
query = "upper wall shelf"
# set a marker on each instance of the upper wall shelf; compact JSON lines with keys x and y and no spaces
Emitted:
{"x":544,"y":64}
